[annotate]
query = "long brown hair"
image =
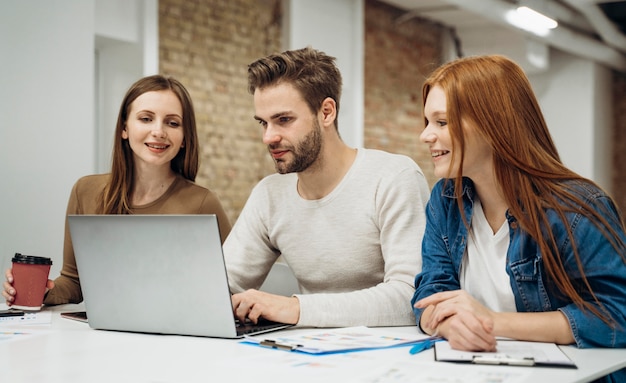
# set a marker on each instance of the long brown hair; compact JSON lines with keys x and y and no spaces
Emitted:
{"x":493,"y":95}
{"x":116,"y":195}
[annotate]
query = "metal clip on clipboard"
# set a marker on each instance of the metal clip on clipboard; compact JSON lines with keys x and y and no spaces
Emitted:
{"x":501,"y":359}
{"x":274,"y":344}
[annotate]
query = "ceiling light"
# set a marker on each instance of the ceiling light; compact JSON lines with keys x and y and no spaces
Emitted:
{"x":531,"y":20}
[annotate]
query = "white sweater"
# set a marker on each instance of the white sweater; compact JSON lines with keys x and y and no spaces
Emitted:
{"x":354,"y":252}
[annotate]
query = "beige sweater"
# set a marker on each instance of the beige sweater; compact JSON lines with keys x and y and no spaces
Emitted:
{"x":354,"y":252}
{"x":182,"y":197}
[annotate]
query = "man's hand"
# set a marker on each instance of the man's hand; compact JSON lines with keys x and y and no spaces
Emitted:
{"x":253,"y":304}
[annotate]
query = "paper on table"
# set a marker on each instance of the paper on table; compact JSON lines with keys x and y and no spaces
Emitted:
{"x":428,"y":372}
{"x":509,"y":352}
{"x":37,"y":317}
{"x":338,"y":340}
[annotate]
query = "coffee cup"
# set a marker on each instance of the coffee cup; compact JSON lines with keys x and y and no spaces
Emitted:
{"x":30,"y":277}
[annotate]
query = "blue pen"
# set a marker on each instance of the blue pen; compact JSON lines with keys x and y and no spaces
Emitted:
{"x":424,"y":345}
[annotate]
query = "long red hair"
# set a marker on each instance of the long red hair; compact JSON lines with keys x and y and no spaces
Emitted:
{"x":493,"y":95}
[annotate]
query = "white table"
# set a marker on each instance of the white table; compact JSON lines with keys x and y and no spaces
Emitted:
{"x":69,"y":351}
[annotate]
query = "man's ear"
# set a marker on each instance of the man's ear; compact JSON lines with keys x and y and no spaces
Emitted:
{"x":329,"y":111}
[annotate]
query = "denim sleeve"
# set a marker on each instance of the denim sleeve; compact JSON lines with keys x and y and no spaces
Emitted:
{"x":438,"y":266}
{"x":605,"y":269}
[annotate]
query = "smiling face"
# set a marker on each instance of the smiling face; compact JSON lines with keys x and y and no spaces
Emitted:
{"x":436,"y":133}
{"x":477,"y":155}
{"x":292,"y":133}
{"x":154,"y":128}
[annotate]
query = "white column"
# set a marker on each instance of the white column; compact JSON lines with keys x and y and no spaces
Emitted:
{"x":575,"y":96}
{"x":47,"y":133}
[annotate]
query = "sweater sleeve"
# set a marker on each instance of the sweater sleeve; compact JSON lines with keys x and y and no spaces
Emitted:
{"x":67,"y":285}
{"x":248,"y":253}
{"x":212,"y":205}
{"x":605,"y":271}
{"x":439,"y":273}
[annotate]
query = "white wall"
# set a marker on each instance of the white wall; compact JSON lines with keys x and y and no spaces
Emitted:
{"x":575,"y":96}
{"x":47,"y":134}
{"x":48,"y":98}
{"x":126,"y":49}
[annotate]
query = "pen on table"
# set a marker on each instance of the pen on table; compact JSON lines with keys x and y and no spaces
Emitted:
{"x":424,"y":345}
{"x":11,"y":313}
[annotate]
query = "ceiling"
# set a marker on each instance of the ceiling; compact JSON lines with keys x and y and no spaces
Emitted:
{"x":593,"y":29}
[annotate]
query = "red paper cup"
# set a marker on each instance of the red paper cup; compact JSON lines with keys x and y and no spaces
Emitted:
{"x":30,"y":277}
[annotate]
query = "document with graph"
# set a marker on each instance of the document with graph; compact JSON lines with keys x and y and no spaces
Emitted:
{"x":337,"y":340}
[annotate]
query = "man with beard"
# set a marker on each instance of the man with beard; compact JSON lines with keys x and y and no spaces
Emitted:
{"x":349,"y":222}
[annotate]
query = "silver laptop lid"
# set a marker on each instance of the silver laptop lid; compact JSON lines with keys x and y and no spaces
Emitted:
{"x":153,"y":273}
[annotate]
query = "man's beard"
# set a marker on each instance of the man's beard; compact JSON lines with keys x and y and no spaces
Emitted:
{"x":305,"y":153}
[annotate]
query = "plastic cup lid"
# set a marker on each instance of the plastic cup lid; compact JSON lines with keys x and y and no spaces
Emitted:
{"x":31,"y":259}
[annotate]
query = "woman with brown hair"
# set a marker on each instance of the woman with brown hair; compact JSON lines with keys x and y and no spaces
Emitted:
{"x":154,"y":166}
{"x":516,"y":244}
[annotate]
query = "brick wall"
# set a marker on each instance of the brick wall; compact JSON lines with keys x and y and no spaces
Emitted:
{"x":207,"y":45}
{"x":398,"y":57}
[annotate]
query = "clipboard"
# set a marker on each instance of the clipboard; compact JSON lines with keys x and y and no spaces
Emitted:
{"x":509,"y":353}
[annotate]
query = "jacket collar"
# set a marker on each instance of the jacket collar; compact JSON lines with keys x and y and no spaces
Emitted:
{"x":467,"y":184}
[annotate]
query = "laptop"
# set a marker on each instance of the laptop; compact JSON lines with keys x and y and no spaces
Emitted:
{"x":161,"y":274}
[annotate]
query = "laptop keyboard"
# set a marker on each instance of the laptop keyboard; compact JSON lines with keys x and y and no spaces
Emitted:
{"x":248,"y":327}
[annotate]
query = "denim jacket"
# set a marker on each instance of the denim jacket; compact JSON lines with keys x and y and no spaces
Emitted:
{"x":445,"y":243}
